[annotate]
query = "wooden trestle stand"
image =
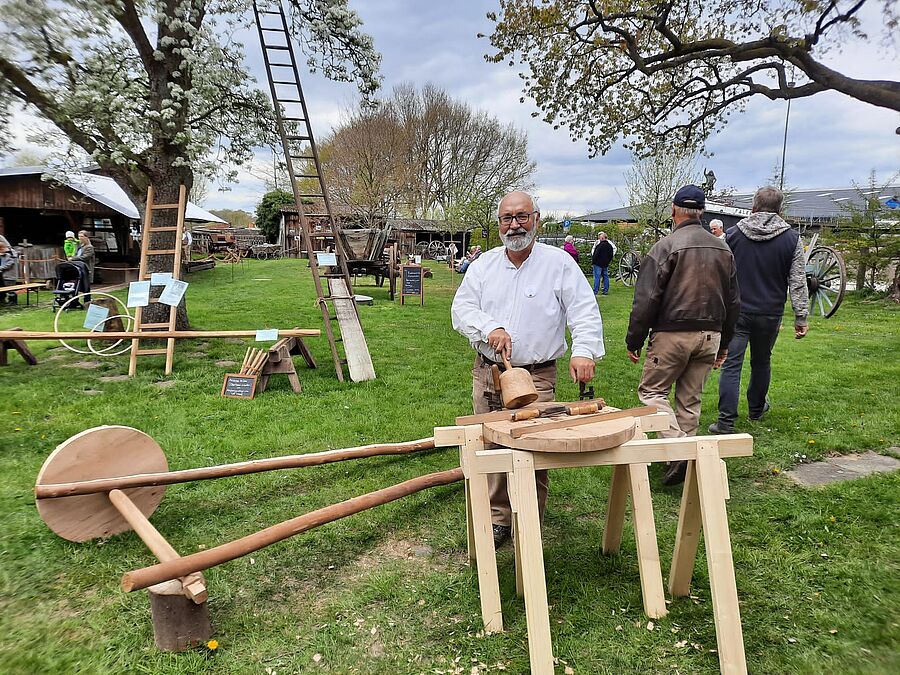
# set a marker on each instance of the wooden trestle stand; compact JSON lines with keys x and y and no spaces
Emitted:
{"x":491,"y":447}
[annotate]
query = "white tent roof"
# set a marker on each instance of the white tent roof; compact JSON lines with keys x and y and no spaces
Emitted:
{"x":106,"y":191}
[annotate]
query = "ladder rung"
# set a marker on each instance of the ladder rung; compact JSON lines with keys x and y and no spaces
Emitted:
{"x":151,"y":352}
{"x":165,"y":206}
{"x":280,"y":30}
{"x":291,"y":82}
{"x":278,"y":47}
{"x":320,"y":235}
{"x":268,"y":11}
{"x":290,"y":100}
{"x":153,"y":325}
{"x":161,"y":251}
{"x":311,"y":194}
{"x":171,"y":228}
{"x":280,"y":65}
{"x":306,"y":175}
{"x":301,"y":157}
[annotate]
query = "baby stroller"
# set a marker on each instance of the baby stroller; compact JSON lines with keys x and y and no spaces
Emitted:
{"x":71,"y":279}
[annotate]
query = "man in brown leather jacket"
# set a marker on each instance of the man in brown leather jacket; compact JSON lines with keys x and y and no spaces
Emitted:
{"x":686,"y":297}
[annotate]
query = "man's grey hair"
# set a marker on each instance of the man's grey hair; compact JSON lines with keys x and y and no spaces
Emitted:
{"x":715,"y":222}
{"x":768,"y":199}
{"x":534,"y":206}
{"x":687,"y":213}
{"x":601,"y":234}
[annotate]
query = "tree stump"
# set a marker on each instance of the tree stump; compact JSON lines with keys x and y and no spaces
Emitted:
{"x":178,"y":623}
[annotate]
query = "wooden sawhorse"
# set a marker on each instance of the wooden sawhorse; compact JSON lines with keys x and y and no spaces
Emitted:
{"x":703,"y":501}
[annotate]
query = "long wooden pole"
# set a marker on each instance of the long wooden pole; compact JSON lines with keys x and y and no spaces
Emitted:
{"x":194,"y":585}
{"x":147,"y":576}
{"x":148,"y":335}
{"x":88,"y":487}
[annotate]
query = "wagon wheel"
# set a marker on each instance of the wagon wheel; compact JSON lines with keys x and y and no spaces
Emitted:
{"x":422,"y":249}
{"x":436,"y":248}
{"x":629,"y":266}
{"x":262,"y":255}
{"x":826,"y":280}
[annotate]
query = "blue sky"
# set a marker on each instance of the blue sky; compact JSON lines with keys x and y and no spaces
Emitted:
{"x":833,"y":140}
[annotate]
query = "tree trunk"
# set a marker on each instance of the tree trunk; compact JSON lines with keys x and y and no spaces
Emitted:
{"x":861,"y":269}
{"x":895,"y":285}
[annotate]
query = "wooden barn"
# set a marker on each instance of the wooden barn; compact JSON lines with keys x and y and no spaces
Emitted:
{"x":38,"y":211}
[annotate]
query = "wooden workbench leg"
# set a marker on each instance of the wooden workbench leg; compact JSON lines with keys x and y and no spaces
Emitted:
{"x":687,"y":536}
{"x":486,"y":558}
{"x":295,"y":382}
{"x":718,"y":555}
{"x":470,"y":530}
{"x":530,"y":548}
{"x":645,"y":541}
{"x":615,"y":509}
{"x":513,"y":503}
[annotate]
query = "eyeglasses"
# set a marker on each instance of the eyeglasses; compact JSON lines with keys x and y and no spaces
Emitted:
{"x":520,"y":218}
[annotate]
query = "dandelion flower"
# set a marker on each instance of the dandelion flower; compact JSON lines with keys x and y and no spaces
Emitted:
{"x":212,"y":645}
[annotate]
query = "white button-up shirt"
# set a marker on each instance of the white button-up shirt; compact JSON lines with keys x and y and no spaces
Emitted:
{"x":533,"y":303}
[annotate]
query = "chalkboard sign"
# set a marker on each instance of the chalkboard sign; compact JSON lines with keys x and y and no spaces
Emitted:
{"x":239,"y":386}
{"x":411,"y":283}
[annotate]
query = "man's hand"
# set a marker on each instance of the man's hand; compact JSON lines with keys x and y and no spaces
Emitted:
{"x":635,"y":356}
{"x":800,"y":331}
{"x":501,"y":342}
{"x":720,"y":359}
{"x":581,"y":369}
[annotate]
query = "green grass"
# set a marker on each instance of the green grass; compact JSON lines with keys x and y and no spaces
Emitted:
{"x":809,"y":561}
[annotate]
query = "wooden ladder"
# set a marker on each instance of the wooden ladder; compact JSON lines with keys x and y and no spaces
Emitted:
{"x":144,"y":275}
{"x":341,"y":318}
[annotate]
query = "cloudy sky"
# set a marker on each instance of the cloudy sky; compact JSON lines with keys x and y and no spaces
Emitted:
{"x":833,"y":140}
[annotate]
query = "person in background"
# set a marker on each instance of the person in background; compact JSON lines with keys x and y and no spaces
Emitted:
{"x":601,"y":256}
{"x":770,"y":263}
{"x":569,"y":247}
{"x":687,"y":295}
{"x":471,"y":256}
{"x":85,"y":254}
{"x":70,"y":245}
{"x":9,"y":272}
{"x":717,"y":227}
{"x":516,"y":301}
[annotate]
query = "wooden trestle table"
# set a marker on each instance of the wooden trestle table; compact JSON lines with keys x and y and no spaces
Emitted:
{"x":489,"y":447}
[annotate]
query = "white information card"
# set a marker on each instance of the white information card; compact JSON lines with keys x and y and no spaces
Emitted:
{"x":173,"y":292}
{"x":266,"y":334}
{"x":138,"y":294}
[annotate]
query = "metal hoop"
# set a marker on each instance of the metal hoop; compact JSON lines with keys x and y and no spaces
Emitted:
{"x":78,"y":297}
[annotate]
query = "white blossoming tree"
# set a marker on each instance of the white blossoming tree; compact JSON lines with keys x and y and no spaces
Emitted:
{"x":156,"y":91}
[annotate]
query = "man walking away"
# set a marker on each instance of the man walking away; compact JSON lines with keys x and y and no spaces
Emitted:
{"x":601,"y":257}
{"x":770,"y":261}
{"x":687,"y":295}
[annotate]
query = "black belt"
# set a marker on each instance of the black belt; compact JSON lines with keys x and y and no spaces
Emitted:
{"x":485,"y":361}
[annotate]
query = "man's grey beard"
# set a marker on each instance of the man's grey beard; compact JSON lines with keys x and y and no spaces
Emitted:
{"x":518,"y":243}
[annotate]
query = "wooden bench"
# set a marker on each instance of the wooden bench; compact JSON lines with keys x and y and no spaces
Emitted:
{"x":28,"y":288}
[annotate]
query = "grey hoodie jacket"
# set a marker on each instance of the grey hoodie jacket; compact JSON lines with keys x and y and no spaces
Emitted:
{"x":770,"y":263}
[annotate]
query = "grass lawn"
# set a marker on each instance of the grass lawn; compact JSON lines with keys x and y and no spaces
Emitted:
{"x":389,"y":590}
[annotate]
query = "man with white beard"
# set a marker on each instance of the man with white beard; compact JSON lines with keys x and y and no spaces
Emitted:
{"x":516,"y":300}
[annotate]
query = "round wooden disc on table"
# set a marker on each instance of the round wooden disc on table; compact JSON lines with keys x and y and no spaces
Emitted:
{"x":600,"y":435}
{"x":101,"y":452}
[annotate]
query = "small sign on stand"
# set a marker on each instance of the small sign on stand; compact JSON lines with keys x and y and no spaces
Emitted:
{"x":412,"y":283}
{"x":239,"y":386}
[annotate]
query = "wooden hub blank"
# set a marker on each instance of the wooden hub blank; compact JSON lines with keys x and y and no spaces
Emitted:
{"x":600,"y":435}
{"x":101,"y":452}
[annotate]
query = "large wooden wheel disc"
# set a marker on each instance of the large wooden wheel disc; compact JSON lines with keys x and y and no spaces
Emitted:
{"x":600,"y":435}
{"x":101,"y":452}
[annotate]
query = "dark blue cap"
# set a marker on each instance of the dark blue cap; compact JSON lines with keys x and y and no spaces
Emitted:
{"x":690,"y":197}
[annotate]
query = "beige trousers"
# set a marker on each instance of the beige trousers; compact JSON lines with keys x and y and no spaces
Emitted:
{"x":482,"y":383}
{"x":682,"y":358}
